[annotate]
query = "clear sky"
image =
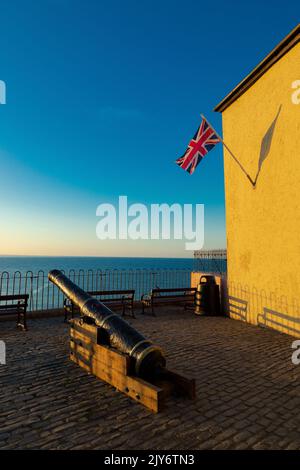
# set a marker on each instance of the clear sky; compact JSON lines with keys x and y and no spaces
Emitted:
{"x":102,"y":97}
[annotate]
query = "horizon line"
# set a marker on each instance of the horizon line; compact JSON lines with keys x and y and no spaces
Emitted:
{"x":99,"y":256}
{"x":89,"y":256}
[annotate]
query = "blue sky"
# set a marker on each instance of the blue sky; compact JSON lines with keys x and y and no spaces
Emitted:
{"x":102,"y":97}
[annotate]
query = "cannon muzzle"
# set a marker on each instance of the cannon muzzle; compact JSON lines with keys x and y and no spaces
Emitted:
{"x":147,"y":359}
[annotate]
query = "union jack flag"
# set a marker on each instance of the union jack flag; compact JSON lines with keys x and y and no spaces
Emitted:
{"x":203,"y":141}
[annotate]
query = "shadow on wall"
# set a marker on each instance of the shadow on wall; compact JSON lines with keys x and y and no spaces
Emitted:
{"x":266,"y":144}
{"x":266,"y":309}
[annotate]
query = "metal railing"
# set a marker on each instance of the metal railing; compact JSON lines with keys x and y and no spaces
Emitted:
{"x":214,"y":261}
{"x":45,"y":296}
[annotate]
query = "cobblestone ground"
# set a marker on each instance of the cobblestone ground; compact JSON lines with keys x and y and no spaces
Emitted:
{"x":248,"y":391}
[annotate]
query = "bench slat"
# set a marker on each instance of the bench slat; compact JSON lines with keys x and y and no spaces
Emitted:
{"x":111,"y":292}
{"x":178,"y":296}
{"x":10,"y":306}
{"x":180,"y":289}
{"x":14,"y":297}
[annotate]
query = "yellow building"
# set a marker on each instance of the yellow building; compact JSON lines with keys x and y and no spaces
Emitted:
{"x":261,"y":126}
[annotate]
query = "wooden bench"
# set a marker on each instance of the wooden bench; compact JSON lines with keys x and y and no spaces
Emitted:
{"x":15,"y":305}
{"x":125,"y":297}
{"x":185,"y":295}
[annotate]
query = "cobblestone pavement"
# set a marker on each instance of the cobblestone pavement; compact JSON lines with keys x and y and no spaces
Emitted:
{"x":248,"y":390}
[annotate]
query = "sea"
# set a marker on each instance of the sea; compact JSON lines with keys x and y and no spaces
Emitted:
{"x":23,"y":264}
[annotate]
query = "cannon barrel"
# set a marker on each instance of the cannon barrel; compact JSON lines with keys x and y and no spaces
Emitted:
{"x":147,"y":359}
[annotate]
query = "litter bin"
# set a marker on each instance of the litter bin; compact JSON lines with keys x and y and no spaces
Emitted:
{"x":207,"y":298}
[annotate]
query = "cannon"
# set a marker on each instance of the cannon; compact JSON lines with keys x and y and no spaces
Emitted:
{"x":147,"y":359}
{"x":107,"y":346}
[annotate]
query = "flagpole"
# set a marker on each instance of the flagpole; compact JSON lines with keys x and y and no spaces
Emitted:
{"x":230,"y":152}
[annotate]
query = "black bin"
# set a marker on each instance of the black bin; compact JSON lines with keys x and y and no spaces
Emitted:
{"x":207,"y":298}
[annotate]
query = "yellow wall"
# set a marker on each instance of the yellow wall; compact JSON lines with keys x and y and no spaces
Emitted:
{"x":263,"y":224}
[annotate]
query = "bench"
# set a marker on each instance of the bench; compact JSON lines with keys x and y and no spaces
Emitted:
{"x":125,"y":297}
{"x":185,"y":295}
{"x":15,"y":305}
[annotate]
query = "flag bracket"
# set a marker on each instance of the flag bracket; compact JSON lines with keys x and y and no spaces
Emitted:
{"x":231,"y":154}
